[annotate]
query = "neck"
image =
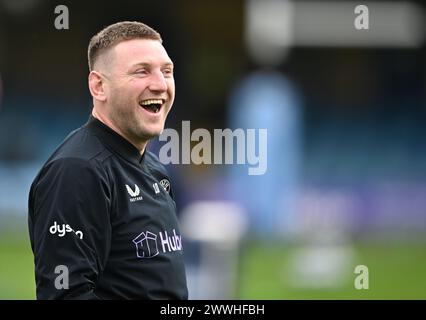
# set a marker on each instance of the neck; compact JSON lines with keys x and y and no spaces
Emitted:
{"x":106,"y":121}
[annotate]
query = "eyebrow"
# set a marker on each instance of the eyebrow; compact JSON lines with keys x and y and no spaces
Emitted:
{"x":146,"y":64}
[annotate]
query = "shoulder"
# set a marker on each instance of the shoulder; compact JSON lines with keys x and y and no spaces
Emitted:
{"x":71,"y":173}
{"x":80,"y":144}
{"x":73,"y":165}
{"x":67,"y":179}
{"x":80,"y":156}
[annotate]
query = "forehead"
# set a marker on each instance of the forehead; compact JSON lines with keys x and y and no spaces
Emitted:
{"x":137,"y":51}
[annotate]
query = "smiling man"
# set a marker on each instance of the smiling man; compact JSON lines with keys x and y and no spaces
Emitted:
{"x":102,"y":218}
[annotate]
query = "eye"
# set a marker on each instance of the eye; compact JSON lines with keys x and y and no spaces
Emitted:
{"x":168,"y":72}
{"x":141,"y":72}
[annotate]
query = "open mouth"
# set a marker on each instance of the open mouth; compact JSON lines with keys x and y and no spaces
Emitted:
{"x":152,"y":105}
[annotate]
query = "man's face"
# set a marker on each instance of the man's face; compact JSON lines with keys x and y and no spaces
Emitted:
{"x":140,"y":88}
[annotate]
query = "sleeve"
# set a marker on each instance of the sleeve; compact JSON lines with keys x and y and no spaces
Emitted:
{"x":70,"y":229}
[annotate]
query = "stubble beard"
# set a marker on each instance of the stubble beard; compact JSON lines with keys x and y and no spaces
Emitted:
{"x":128,"y":121}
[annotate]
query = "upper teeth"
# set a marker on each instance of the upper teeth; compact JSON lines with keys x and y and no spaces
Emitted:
{"x":152,"y":101}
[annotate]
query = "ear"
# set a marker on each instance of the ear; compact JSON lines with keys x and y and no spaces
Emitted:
{"x":97,"y":86}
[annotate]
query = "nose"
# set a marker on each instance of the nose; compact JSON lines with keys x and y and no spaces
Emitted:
{"x":158,"y":82}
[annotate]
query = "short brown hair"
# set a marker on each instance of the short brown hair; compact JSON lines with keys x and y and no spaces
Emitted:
{"x":116,"y":33}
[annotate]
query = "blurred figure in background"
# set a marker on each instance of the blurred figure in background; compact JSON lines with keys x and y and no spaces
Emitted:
{"x":267,"y":99}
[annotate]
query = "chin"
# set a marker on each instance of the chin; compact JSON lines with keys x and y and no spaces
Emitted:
{"x":151,"y":134}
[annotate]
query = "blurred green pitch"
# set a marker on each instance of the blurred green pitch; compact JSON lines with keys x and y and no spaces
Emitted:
{"x":396,"y":272}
